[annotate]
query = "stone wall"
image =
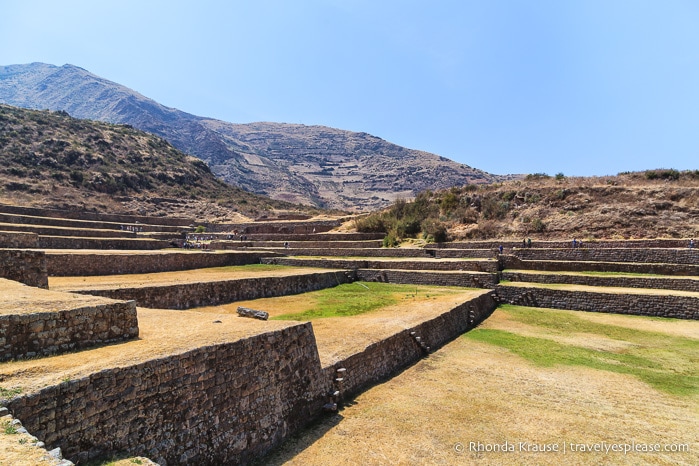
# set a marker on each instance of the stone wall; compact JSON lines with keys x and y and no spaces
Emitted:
{"x":82,"y":215}
{"x":69,"y":231}
{"x":390,"y":252}
{"x":512,"y":262}
{"x":384,"y":358}
{"x":487,"y":266}
{"x":593,"y":244}
{"x":189,"y":295}
{"x":233,"y":244}
{"x":677,"y":307}
{"x":645,"y":255}
{"x":266,"y":228}
{"x":71,"y":242}
{"x":83,"y":224}
{"x":47,"y":333}
{"x":222,"y":404}
{"x":28,"y":267}
{"x":13,"y":239}
{"x":466,"y":279}
{"x":86,"y":264}
{"x":684,"y":284}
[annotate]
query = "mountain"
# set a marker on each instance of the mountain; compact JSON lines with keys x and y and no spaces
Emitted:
{"x":51,"y":159}
{"x":313,"y":165}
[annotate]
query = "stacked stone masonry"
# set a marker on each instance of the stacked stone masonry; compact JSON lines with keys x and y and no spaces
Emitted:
{"x":384,"y":358}
{"x":28,"y":267}
{"x":677,"y":307}
{"x":18,"y":240}
{"x":512,"y":262}
{"x":85,"y":264}
{"x":222,"y":404}
{"x":82,"y":215}
{"x":71,"y":242}
{"x":683,"y":284}
{"x":190,"y":295}
{"x":46,"y":333}
{"x":463,"y":279}
{"x":645,"y":255}
{"x":488,"y":266}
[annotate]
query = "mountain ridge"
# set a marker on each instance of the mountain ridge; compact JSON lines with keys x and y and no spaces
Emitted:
{"x":317,"y":165}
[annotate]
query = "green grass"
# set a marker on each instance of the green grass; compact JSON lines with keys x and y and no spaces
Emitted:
{"x":6,"y":393}
{"x":255,"y":267}
{"x":361,"y":297}
{"x":668,"y":363}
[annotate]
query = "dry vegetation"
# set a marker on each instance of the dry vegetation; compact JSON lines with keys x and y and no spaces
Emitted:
{"x":49,"y":159}
{"x":651,"y":204}
{"x":475,"y":391}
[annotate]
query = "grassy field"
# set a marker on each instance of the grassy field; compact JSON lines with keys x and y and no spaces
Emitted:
{"x":356,"y":298}
{"x":529,"y":386}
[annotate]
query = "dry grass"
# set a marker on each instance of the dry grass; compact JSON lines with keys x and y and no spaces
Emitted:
{"x":470,"y":391}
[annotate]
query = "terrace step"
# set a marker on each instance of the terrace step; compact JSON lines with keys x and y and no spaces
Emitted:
{"x":421,"y":277}
{"x":389,"y":252}
{"x":512,"y":262}
{"x":663,"y":282}
{"x":636,"y":301}
{"x":82,"y":215}
{"x":20,"y":219}
{"x":407,"y":263}
{"x":67,"y":231}
{"x":84,"y":242}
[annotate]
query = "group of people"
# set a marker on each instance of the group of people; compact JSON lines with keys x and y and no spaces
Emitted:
{"x":132,"y":228}
{"x":577,"y":243}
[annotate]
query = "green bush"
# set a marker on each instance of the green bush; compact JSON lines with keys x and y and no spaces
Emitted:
{"x":390,"y":241}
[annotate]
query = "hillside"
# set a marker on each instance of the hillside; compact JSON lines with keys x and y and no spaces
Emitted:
{"x":50,"y":159}
{"x":651,"y":204}
{"x":313,"y":165}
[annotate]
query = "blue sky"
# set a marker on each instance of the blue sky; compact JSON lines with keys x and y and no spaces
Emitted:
{"x":582,"y":87}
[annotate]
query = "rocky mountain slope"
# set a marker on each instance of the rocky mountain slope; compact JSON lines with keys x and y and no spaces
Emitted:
{"x":51,"y":159}
{"x":314,"y":165}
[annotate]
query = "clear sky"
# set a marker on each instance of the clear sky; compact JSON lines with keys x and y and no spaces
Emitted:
{"x":582,"y":87}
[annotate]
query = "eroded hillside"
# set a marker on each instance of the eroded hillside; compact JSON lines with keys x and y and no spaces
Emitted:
{"x":50,"y":159}
{"x":651,"y":204}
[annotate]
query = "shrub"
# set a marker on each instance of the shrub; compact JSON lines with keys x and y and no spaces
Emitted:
{"x":200,"y":229}
{"x":390,"y":241}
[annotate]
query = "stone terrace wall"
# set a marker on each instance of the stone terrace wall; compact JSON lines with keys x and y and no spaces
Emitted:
{"x":221,"y":404}
{"x":28,"y":267}
{"x":72,"y":242}
{"x":47,"y":333}
{"x":678,"y":307}
{"x":267,"y":228}
{"x":471,"y":280}
{"x":232,"y":244}
{"x":69,"y":231}
{"x":384,"y":358}
{"x":12,"y":239}
{"x":638,"y":243}
{"x":73,"y":265}
{"x":674,"y":256}
{"x":686,"y":284}
{"x":81,"y":215}
{"x":389,"y":252}
{"x":189,"y":295}
{"x":83,"y":224}
{"x":512,"y":262}
{"x":472,"y":266}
